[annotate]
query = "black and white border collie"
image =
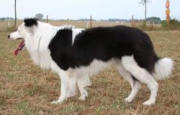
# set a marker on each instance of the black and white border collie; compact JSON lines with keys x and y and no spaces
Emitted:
{"x":76,"y":54}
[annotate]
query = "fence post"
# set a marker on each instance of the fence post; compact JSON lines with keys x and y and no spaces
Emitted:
{"x":132,"y":21}
{"x":8,"y":25}
{"x":87,"y":25}
{"x":90,"y":22}
{"x":47,"y":20}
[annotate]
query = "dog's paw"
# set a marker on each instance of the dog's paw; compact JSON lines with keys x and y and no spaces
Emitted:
{"x":57,"y":102}
{"x":128,"y":100}
{"x":71,"y":95}
{"x":149,"y":103}
{"x":82,"y":97}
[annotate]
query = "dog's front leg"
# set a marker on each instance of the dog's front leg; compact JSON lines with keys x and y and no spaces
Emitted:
{"x":64,"y":76}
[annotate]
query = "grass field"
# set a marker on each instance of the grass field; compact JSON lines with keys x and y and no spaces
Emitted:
{"x":28,"y":90}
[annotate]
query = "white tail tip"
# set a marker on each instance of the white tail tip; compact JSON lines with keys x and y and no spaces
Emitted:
{"x":163,"y":69}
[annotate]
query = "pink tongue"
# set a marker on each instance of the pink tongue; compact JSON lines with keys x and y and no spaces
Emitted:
{"x":20,"y":47}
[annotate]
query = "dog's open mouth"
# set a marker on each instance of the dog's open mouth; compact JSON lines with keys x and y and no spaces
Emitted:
{"x":20,"y":47}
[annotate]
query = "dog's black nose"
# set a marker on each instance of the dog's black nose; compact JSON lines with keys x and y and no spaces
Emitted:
{"x":8,"y":36}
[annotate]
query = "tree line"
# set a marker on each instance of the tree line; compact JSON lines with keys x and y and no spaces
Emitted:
{"x":148,"y":20}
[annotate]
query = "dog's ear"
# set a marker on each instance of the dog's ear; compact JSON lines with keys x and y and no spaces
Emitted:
{"x":29,"y":22}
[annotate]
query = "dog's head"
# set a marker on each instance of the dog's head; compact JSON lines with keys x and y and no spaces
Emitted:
{"x":25,"y":29}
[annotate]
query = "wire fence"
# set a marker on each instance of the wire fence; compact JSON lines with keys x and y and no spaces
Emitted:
{"x":9,"y":25}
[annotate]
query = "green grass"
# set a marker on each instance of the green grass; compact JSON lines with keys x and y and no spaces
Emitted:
{"x":25,"y":89}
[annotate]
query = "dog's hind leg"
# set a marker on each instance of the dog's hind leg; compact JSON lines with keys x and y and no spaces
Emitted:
{"x":83,"y":82}
{"x":143,"y":76}
{"x":135,"y":85}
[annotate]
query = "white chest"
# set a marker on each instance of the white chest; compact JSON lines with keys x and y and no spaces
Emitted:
{"x":39,"y":53}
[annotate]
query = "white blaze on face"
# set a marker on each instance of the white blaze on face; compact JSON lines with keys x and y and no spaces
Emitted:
{"x":15,"y":35}
{"x":20,"y":33}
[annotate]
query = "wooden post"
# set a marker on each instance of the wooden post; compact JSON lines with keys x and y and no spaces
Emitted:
{"x":8,"y":25}
{"x":87,"y":25}
{"x":145,"y":4}
{"x":47,"y":20}
{"x":15,"y":12}
{"x":151,"y":24}
{"x":90,"y":25}
{"x":145,"y":11}
{"x":132,"y":21}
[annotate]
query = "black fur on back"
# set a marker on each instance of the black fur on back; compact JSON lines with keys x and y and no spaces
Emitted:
{"x":29,"y":22}
{"x":102,"y":43}
{"x":60,"y":48}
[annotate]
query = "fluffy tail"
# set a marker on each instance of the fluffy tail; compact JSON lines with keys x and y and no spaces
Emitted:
{"x":163,"y":69}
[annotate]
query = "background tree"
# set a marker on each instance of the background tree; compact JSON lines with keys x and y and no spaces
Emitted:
{"x":144,"y":2}
{"x":15,"y":13}
{"x":39,"y":16}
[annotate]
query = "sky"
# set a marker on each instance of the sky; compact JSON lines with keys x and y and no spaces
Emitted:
{"x":99,"y":9}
